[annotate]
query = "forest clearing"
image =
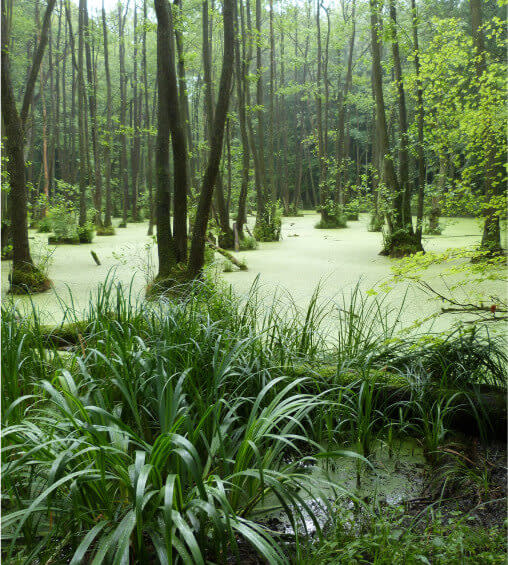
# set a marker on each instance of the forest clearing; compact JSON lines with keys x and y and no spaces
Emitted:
{"x":254,"y":282}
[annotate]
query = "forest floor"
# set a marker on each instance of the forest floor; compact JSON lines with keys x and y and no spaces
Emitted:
{"x":305,"y":257}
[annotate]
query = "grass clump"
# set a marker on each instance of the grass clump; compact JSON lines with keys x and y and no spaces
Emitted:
{"x":248,"y":243}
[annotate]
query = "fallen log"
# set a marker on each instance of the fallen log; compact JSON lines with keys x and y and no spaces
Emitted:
{"x":227,"y":255}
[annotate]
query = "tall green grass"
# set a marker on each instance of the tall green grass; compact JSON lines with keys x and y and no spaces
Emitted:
{"x":164,"y":429}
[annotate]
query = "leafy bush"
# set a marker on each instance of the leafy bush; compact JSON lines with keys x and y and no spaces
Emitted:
{"x":268,"y":227}
{"x":332,"y":216}
{"x":44,"y":225}
{"x":62,"y":217}
{"x":248,"y":243}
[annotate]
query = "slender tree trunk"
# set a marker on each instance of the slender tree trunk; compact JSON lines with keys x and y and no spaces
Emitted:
{"x":420,"y":123}
{"x":123,"y":117}
{"x":83,"y":147}
{"x":92,"y":105}
{"x":491,"y":237}
{"x":136,"y":138}
{"x":241,"y":73}
{"x":196,"y":258}
{"x":148,"y":136}
{"x":404,"y":186}
{"x":107,"y":145}
{"x":166,"y":251}
{"x":339,"y":179}
{"x":226,"y":239}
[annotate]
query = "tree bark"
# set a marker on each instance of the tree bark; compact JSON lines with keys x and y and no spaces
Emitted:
{"x":107,"y":145}
{"x":14,"y":126}
{"x":196,"y":258}
{"x":165,"y":249}
{"x":123,"y":110}
{"x":420,"y":123}
{"x":241,"y":73}
{"x":491,"y":237}
{"x":92,"y":105}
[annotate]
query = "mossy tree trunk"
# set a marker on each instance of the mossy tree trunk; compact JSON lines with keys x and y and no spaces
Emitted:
{"x":24,"y":273}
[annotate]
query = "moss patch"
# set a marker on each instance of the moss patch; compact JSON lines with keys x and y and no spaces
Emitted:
{"x":29,"y":280}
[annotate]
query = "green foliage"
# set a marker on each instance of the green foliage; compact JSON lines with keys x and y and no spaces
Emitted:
{"x":352,"y":210}
{"x":400,"y":243}
{"x":86,"y":232}
{"x":227,"y":266}
{"x":268,"y":225}
{"x":391,"y":538}
{"x":248,"y":243}
{"x":332,"y":216}
{"x":63,"y":220}
{"x":168,"y":427}
{"x":105,"y":230}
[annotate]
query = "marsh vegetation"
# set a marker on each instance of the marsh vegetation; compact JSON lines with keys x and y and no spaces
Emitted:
{"x":254,"y":282}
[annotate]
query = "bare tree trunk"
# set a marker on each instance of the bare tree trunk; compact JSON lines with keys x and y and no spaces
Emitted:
{"x":123,"y":111}
{"x":241,"y":73}
{"x":267,"y":226}
{"x":83,"y":148}
{"x":403,"y":219}
{"x":136,"y":138}
{"x":319,"y":115}
{"x":148,"y":136}
{"x":420,"y":123}
{"x":165,"y":249}
{"x":92,"y":105}
{"x":339,"y":179}
{"x":226,"y":239}
{"x":196,"y":258}
{"x":107,"y":146}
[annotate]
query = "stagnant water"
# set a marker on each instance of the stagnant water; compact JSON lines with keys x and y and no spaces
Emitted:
{"x":304,"y":258}
{"x":394,"y":477}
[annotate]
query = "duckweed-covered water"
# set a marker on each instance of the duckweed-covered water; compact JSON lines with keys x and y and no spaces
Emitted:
{"x":304,"y":258}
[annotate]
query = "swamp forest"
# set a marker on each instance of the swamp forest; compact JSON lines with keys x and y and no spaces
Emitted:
{"x":254,"y":282}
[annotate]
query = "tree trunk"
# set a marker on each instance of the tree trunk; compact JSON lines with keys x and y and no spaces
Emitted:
{"x":402,"y":218}
{"x":491,"y":237}
{"x":241,"y":73}
{"x":420,"y":123}
{"x":107,"y":146}
{"x":196,"y":258}
{"x":166,"y":252}
{"x":136,"y":138}
{"x":25,"y":275}
{"x":123,"y":114}
{"x":92,"y":104}
{"x":226,"y":239}
{"x":339,"y":181}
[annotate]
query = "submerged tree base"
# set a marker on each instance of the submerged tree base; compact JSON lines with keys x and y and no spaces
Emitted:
{"x":332,"y":216}
{"x":28,"y":280}
{"x":105,"y":230}
{"x":400,"y":243}
{"x":267,"y":231}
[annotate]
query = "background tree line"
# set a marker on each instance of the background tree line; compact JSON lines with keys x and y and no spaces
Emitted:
{"x":195,"y":114}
